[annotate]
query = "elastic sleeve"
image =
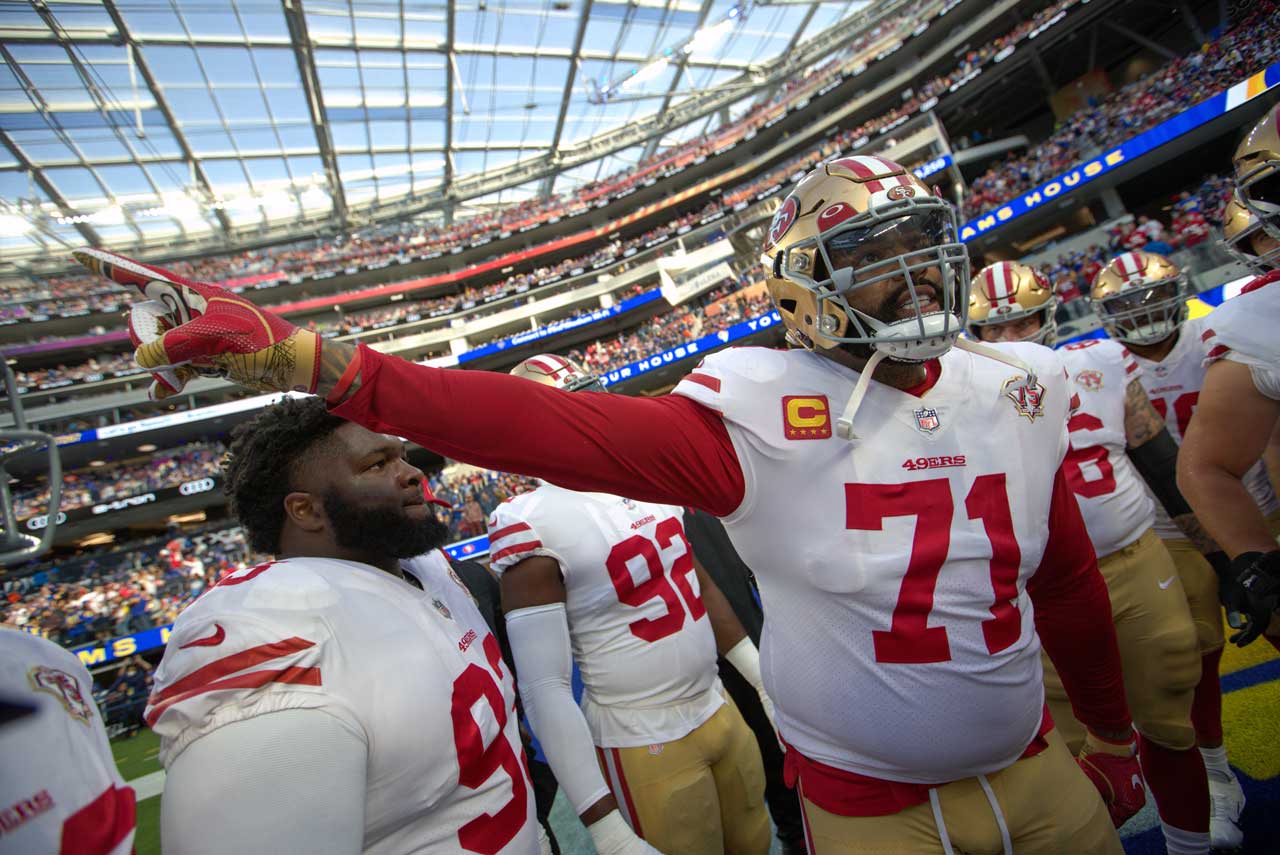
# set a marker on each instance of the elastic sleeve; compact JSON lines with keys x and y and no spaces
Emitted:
{"x":667,"y":449}
{"x":1157,"y":462}
{"x":1073,"y":617}
{"x":290,"y":781}
{"x":540,"y":643}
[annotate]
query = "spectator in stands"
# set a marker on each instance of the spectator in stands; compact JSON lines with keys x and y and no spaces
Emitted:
{"x":473,"y":517}
{"x":126,"y":698}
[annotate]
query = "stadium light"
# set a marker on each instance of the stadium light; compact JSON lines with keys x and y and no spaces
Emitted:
{"x":180,"y":206}
{"x":707,"y":39}
{"x":111,"y":216}
{"x":647,"y":73}
{"x":703,"y":42}
{"x":13,"y":225}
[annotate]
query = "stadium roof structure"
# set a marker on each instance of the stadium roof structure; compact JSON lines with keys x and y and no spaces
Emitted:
{"x":203,"y":124}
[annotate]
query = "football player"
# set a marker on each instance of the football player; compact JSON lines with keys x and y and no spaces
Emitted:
{"x":1140,"y":299}
{"x":60,"y":790}
{"x":1238,"y":408}
{"x":346,"y":697}
{"x":903,"y":502}
{"x":1246,"y":240}
{"x":1118,"y":442}
{"x":613,"y":583}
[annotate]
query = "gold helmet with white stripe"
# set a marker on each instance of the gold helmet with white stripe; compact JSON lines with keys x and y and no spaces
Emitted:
{"x":1008,"y":292}
{"x":1257,"y":165}
{"x":551,"y":370}
{"x":1244,"y":238}
{"x":859,"y":221}
{"x":1140,"y":297}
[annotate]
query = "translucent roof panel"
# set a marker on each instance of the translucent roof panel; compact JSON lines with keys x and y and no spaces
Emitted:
{"x":148,"y":122}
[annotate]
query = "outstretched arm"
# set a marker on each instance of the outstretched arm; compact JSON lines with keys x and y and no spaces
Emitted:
{"x":667,"y":449}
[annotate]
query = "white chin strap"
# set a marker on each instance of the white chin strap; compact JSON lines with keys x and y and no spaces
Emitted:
{"x":844,"y":424}
{"x":979,"y":349}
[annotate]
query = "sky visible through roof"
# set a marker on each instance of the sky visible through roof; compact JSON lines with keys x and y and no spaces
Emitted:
{"x":154,"y":121}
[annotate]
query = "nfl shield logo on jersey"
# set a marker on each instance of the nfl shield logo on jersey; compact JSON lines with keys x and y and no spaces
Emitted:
{"x":442,"y":608}
{"x":927,"y":419}
{"x":1027,"y":397}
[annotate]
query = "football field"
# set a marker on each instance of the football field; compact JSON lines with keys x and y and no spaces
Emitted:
{"x":1251,"y":718}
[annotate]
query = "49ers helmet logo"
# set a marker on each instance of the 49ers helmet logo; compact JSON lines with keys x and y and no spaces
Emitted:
{"x":783,"y":220}
{"x":900,"y":191}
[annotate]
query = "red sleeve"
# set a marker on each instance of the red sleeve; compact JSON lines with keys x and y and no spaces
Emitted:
{"x":667,"y":449}
{"x":1073,"y":617}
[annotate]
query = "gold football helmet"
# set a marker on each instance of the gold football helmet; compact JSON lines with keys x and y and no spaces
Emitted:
{"x":1257,"y":164}
{"x":1240,"y":228}
{"x":858,"y":221}
{"x":1010,"y":291}
{"x":551,"y":370}
{"x":1140,"y":297}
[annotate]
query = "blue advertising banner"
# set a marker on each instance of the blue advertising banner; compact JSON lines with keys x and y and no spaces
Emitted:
{"x":1111,"y":158}
{"x":123,"y":647}
{"x":932,"y":167}
{"x":694,"y":348}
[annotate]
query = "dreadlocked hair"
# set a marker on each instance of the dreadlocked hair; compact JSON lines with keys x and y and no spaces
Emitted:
{"x":258,"y":469}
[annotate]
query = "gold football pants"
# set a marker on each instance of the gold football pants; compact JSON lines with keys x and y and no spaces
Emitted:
{"x":1201,"y":584}
{"x":1157,"y":641}
{"x":702,"y":794}
{"x":1045,"y":805}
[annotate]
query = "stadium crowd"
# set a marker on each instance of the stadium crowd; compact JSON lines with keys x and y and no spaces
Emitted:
{"x":103,"y":484}
{"x":1132,"y":109}
{"x":133,"y":587}
{"x":716,"y":311}
{"x":401,"y":242}
{"x":125,"y":590}
{"x":1123,"y":114}
{"x":1195,"y":217}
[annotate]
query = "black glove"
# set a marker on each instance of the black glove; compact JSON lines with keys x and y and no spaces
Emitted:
{"x":1258,"y":576}
{"x":1230,"y":593}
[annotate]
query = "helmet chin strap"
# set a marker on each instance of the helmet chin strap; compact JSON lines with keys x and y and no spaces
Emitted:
{"x":844,"y":424}
{"x":980,"y":349}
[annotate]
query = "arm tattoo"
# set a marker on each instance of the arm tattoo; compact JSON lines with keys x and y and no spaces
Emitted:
{"x":1196,"y":533}
{"x":335,"y":356}
{"x":1141,"y":421}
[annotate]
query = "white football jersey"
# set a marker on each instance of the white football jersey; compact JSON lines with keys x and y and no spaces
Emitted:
{"x":1114,"y":501}
{"x":1246,"y":329}
{"x":899,"y":640}
{"x":60,"y":790}
{"x":640,"y":634}
{"x":1173,"y":385}
{"x":393,"y":662}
